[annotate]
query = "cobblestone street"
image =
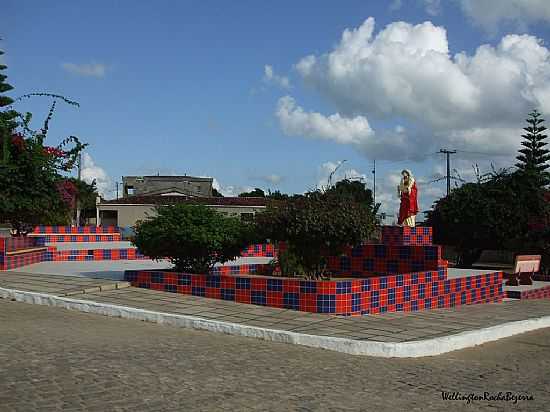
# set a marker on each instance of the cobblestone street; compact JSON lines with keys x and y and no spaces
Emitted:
{"x":54,"y":359}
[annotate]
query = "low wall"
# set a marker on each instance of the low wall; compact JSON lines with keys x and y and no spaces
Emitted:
{"x":381,"y":259}
{"x":79,"y":237}
{"x":20,"y":251}
{"x":74,"y":230}
{"x":394,"y":293}
{"x":54,"y":255}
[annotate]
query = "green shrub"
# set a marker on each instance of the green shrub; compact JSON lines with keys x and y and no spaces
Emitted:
{"x":192,"y":237}
{"x":314,"y":225}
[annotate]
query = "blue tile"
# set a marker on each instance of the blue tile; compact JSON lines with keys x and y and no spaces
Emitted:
{"x":368,"y":264}
{"x":275,"y":285}
{"x":170,"y":288}
{"x":291,"y":300}
{"x":258,"y":297}
{"x":380,"y":251}
{"x":326,"y":303}
{"x":184,"y":280}
{"x":228,"y":294}
{"x":392,"y":266}
{"x":345,"y":263}
{"x":213,"y":282}
{"x":365,"y":285}
{"x":198,"y":291}
{"x":343,"y":287}
{"x":242,"y":283}
{"x":308,"y":286}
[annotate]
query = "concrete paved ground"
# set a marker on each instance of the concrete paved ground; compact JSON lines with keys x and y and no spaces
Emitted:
{"x":58,"y":360}
{"x":388,"y":327}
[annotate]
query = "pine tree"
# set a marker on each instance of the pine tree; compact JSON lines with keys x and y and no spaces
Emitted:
{"x":7,"y":122}
{"x":533,"y":157}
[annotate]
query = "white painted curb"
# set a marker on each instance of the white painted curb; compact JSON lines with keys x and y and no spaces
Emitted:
{"x":429,"y":347}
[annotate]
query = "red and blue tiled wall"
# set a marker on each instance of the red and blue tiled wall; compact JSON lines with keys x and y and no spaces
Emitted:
{"x":540,"y":293}
{"x":404,"y":235}
{"x":92,"y":254}
{"x":75,"y":230}
{"x":405,"y":292}
{"x":113,"y":237}
{"x":380,"y":259}
{"x":260,"y":250}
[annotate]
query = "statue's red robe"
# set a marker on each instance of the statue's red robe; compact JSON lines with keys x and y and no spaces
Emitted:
{"x":409,"y":204}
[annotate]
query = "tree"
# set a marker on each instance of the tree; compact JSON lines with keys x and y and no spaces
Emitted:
{"x":314,"y":225}
{"x":257,"y":192}
{"x":7,"y":117}
{"x":193,"y":237}
{"x":215,"y":193}
{"x":353,"y":190}
{"x":533,"y":157}
{"x":33,"y":187}
{"x":277,"y":195}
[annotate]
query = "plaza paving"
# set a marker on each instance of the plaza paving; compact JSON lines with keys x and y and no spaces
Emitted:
{"x":58,"y":360}
{"x":388,"y":327}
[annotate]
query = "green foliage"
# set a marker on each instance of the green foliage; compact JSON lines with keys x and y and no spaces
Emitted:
{"x":352,"y":190}
{"x":277,"y":195}
{"x":533,"y":157}
{"x":313,"y":225}
{"x":493,"y":213}
{"x":192,"y":237}
{"x":31,"y":174}
{"x":254,"y":193}
{"x":215,"y":193}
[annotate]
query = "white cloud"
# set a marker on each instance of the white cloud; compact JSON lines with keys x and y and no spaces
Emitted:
{"x":296,"y":122}
{"x":271,"y":77}
{"x":405,"y":73}
{"x":490,"y":14}
{"x":229,"y":190}
{"x":90,"y":172}
{"x":273,"y":179}
{"x":338,"y":173}
{"x":86,"y":69}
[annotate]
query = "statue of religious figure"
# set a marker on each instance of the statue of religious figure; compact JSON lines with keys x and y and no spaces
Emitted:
{"x":407,"y":192}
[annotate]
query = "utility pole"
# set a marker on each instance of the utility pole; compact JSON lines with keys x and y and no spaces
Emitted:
{"x":374,"y":182}
{"x":77,"y":199}
{"x":448,"y":153}
{"x":116,"y":184}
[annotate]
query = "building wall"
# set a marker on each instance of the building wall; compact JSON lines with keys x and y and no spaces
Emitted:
{"x":159,"y":184}
{"x":128,"y":215}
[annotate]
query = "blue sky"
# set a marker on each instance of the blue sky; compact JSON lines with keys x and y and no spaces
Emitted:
{"x":183,"y":87}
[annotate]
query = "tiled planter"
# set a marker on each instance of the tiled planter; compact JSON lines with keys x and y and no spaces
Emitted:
{"x":393,"y":293}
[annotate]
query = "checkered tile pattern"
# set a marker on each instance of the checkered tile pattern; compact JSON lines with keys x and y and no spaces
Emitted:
{"x":12,"y":244}
{"x":80,"y":237}
{"x":260,"y":250}
{"x":540,"y":293}
{"x":234,"y":270}
{"x":92,"y":254}
{"x":21,"y":259}
{"x":405,"y":292}
{"x":379,"y":260}
{"x":20,"y":251}
{"x":75,"y":230}
{"x":404,"y":235}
